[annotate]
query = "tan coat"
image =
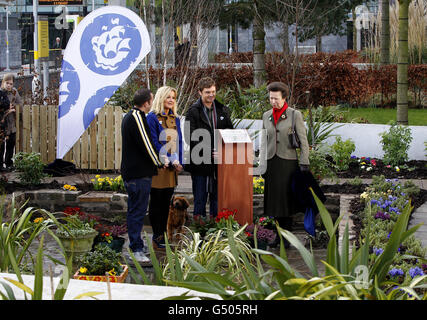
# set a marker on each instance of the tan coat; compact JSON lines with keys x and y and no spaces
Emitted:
{"x":167,"y":178}
{"x":277,"y":136}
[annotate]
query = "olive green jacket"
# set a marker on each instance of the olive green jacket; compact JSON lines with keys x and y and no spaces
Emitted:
{"x":277,"y":136}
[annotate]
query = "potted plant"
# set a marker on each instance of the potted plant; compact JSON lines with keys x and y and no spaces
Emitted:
{"x":111,"y":236}
{"x":76,"y":233}
{"x":264,"y":236}
{"x":201,"y":224}
{"x":96,"y":264}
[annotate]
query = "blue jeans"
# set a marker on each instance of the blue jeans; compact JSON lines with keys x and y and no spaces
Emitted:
{"x":200,"y":193}
{"x":138,"y":191}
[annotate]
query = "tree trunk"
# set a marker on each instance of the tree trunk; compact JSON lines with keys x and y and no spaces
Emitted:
{"x":402,"y":66}
{"x":258,"y":35}
{"x":285,"y":35}
{"x":318,"y":43}
{"x":385,"y":32}
{"x":354,"y":29}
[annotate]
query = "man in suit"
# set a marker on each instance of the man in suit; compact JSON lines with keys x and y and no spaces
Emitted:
{"x":140,"y":161}
{"x":201,"y":121}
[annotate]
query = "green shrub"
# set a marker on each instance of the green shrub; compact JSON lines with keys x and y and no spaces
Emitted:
{"x":395,"y":144}
{"x":30,"y":167}
{"x":323,"y":123}
{"x":103,"y":259}
{"x":356,"y":181}
{"x":320,"y":167}
{"x":341,"y":153}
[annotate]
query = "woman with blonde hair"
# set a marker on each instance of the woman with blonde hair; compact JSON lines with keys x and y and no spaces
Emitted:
{"x":165,"y":128}
{"x":9,"y":120}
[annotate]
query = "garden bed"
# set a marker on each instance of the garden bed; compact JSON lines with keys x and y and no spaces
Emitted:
{"x":414,"y":169}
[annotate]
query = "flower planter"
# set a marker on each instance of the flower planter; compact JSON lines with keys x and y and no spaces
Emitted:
{"x":120,"y":279}
{"x":78,"y":246}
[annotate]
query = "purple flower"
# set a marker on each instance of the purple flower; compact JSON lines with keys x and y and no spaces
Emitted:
{"x":353,"y":157}
{"x":382,"y":216}
{"x":378,"y":251}
{"x":396,"y":272}
{"x":389,"y":234}
{"x":417,"y":271}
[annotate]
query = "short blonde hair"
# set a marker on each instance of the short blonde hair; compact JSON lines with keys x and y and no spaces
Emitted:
{"x":7,"y":77}
{"x":161,"y":95}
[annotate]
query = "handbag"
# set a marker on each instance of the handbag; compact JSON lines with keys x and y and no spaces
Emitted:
{"x":292,"y":135}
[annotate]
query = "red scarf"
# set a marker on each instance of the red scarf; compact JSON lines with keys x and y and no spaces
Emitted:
{"x":277,"y":113}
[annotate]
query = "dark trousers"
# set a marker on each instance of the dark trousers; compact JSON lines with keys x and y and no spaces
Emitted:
{"x":159,"y":210}
{"x":138,"y":193}
{"x":200,"y":193}
{"x":8,"y":145}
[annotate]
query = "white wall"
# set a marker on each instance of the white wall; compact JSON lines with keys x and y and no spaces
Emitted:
{"x":366,"y":138}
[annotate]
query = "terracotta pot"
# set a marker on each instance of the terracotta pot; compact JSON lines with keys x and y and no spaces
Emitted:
{"x":121,"y":278}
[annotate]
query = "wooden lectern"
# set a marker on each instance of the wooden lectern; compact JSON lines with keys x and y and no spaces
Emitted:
{"x":235,"y":176}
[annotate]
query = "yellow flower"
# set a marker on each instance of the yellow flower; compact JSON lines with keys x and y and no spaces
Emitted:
{"x":364,"y":195}
{"x":66,"y":186}
{"x":83,"y":270}
{"x":97,"y":176}
{"x":93,"y":180}
{"x":73,"y":188}
{"x":112,"y":272}
{"x":38,"y":220}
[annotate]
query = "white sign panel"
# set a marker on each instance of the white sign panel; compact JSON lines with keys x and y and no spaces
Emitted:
{"x":235,"y":136}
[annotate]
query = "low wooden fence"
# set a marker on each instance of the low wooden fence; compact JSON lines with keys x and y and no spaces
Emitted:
{"x":100,"y":147}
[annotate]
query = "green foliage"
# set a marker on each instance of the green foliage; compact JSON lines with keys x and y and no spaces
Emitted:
{"x":74,"y":227}
{"x":395,"y":144}
{"x":30,"y":167}
{"x":103,"y":259}
{"x":341,"y":152}
{"x":248,"y":103}
{"x":320,"y":166}
{"x":323,"y":124}
{"x":276,"y":279}
{"x":17,"y":233}
{"x":356,"y":181}
{"x":379,"y":229}
{"x":214,"y":247}
{"x":37,"y":292}
{"x":200,"y":224}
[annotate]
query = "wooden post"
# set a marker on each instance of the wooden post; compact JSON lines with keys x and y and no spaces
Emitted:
{"x":110,"y":137}
{"x":118,"y":116}
{"x":51,"y":133}
{"x":93,"y":144}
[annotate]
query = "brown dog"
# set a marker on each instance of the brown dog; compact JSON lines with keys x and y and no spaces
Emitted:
{"x":177,"y":216}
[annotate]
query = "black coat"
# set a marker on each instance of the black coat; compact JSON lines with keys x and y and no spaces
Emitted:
{"x":4,"y":106}
{"x":301,"y":182}
{"x":139,"y":156}
{"x":195,"y":118}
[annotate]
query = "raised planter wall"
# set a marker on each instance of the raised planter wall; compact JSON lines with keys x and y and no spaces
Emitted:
{"x":113,"y":206}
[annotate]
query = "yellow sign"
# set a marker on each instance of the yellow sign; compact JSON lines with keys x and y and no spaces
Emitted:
{"x":43,"y":39}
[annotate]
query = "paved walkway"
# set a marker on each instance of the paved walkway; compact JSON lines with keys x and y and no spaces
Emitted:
{"x":420,"y":216}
